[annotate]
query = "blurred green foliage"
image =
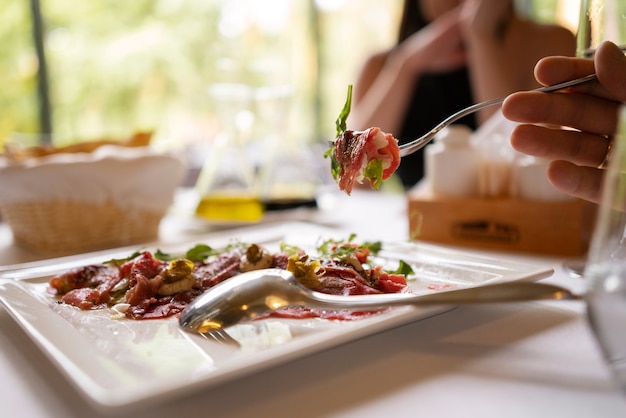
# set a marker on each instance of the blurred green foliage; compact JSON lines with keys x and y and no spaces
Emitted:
{"x":18,"y":70}
{"x":118,"y":67}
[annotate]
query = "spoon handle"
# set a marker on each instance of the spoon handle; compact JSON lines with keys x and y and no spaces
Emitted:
{"x":494,"y":293}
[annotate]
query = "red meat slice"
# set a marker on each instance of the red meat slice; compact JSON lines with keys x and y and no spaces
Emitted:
{"x":355,"y":150}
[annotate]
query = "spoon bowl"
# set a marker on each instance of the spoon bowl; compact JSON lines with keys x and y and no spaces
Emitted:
{"x":253,"y":294}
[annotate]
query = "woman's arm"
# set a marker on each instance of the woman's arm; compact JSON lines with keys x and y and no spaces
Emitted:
{"x":503,"y":49}
{"x":385,"y":85}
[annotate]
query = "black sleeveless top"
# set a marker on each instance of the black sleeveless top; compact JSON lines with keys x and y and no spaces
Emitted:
{"x":435,"y":97}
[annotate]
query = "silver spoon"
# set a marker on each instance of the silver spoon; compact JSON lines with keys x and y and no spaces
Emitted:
{"x":419,"y":143}
{"x":249,"y":295}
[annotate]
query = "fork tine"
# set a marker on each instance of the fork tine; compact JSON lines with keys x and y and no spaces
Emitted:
{"x":220,"y":335}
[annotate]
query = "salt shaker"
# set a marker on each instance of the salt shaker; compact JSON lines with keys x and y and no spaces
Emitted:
{"x":452,"y":164}
{"x":529,"y":180}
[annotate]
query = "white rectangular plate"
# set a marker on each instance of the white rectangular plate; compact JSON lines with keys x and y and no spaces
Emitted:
{"x":120,"y":364}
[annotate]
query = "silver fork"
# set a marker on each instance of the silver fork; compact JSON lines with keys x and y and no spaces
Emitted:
{"x":419,"y":143}
{"x":220,"y":335}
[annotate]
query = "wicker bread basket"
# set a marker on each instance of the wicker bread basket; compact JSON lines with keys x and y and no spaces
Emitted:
{"x":88,"y":203}
{"x":66,"y":227}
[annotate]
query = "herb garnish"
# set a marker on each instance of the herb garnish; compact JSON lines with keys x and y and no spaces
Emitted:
{"x":199,"y":252}
{"x":403,"y":268}
{"x":119,"y":261}
{"x":346,"y":248}
{"x":341,"y":124}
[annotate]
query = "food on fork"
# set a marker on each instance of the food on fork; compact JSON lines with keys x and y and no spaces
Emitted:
{"x":153,"y":285}
{"x":358,"y":155}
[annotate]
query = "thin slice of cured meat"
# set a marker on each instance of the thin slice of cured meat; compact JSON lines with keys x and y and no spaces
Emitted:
{"x":138,"y":282}
{"x":77,"y":278}
{"x":305,"y":312}
{"x":370,"y":154}
{"x":343,"y":281}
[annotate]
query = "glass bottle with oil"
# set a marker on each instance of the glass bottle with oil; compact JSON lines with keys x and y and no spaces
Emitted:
{"x":288,"y":177}
{"x":227,"y":183}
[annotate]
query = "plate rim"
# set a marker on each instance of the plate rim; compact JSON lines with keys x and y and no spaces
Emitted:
{"x":48,"y":340}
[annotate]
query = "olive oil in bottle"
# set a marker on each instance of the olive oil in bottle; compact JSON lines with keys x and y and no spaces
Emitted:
{"x":227,"y":184}
{"x":230,"y":206}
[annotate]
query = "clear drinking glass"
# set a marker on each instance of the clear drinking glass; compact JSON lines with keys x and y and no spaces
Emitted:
{"x":605,"y":270}
{"x":599,"y":21}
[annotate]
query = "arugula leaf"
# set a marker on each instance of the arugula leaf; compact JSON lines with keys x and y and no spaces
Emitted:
{"x":374,"y":172}
{"x":120,"y":261}
{"x":160,"y":255}
{"x":199,"y":252}
{"x":343,"y":116}
{"x":289,"y":249}
{"x":335,"y":167}
{"x":403,"y":268}
{"x":342,"y":249}
{"x":374,"y":247}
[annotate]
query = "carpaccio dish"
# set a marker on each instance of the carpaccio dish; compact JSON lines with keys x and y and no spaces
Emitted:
{"x":153,"y":285}
{"x":359,"y":155}
{"x":370,"y":154}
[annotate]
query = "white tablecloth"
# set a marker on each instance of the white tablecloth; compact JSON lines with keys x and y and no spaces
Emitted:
{"x":535,"y":359}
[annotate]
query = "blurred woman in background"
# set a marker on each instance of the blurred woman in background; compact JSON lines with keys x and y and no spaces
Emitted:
{"x":450,"y":54}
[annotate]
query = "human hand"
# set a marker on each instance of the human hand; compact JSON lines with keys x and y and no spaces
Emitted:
{"x":587,"y":113}
{"x":483,"y":19}
{"x":436,"y":48}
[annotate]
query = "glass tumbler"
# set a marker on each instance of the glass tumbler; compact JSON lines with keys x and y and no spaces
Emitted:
{"x":605,"y":269}
{"x":599,"y":21}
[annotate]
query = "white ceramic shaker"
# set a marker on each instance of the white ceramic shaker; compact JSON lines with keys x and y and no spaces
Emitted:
{"x":529,"y":180}
{"x":452,"y":164}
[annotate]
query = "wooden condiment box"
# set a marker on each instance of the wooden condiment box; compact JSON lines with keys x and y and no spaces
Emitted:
{"x":553,"y":228}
